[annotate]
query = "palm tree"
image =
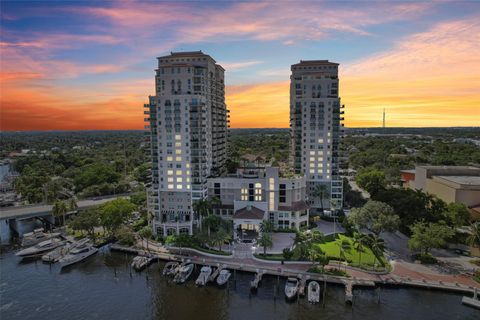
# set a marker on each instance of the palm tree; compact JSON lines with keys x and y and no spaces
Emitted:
{"x":377,"y":245}
{"x":266,"y":242}
{"x":473,"y":238}
{"x":359,"y":241}
{"x":219,"y":238}
{"x":211,"y":222}
{"x":72,"y":204}
{"x":145,"y":233}
{"x":344,"y":246}
{"x":266,"y":226}
{"x":59,"y":209}
{"x":321,"y":192}
{"x":202,"y":208}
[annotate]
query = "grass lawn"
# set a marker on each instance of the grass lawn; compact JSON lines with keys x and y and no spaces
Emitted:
{"x":353,"y":256}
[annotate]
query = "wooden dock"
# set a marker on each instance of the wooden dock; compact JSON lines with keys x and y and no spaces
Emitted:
{"x":302,"y":284}
{"x":215,"y":273}
{"x":161,"y":253}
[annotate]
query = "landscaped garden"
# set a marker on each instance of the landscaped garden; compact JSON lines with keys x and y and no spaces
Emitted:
{"x":364,"y":251}
{"x":345,"y":248}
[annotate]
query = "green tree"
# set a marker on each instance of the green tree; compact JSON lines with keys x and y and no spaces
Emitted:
{"x":202,"y":208}
{"x":218,"y":238}
{"x":426,"y":236}
{"x":265,"y":241}
{"x":126,"y":236}
{"x":115,"y":213}
{"x":212,"y":222}
{"x":473,"y":238}
{"x":59,"y":209}
{"x":377,"y":245}
{"x":456,"y":214}
{"x":360,"y":240}
{"x":72,"y":203}
{"x":86,"y":220}
{"x":146,"y":233}
{"x":266,"y":226}
{"x":287,"y":254}
{"x":375,"y":216}
{"x":371,"y":180}
{"x":321,"y":192}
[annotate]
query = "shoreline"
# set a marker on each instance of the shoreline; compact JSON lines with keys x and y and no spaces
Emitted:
{"x":391,"y":281}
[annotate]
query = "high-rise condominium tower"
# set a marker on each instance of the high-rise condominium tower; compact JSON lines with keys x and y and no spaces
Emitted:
{"x":187,"y":134}
{"x":315,"y":121}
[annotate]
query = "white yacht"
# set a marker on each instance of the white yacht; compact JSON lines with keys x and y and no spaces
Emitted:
{"x":78,"y":254}
{"x":291,"y":288}
{"x":183,"y":273}
{"x":223,"y":277}
{"x":141,"y":262}
{"x":205,"y":273}
{"x":60,"y":252}
{"x":37,"y":236}
{"x":40,"y":248}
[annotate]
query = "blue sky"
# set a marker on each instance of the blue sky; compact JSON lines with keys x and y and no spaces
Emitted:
{"x":89,"y":64}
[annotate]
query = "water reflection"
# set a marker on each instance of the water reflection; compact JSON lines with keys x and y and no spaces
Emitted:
{"x":105,"y":287}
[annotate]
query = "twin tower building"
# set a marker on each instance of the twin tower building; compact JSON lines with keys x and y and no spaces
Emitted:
{"x":187,"y":132}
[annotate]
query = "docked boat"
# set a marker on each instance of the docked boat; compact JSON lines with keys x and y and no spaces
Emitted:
{"x":40,"y":248}
{"x":170,"y":268}
{"x":313,"y":292}
{"x":291,"y":288}
{"x":223,"y":277}
{"x":37,"y":236}
{"x":183,"y":273}
{"x":77,"y":254}
{"x":62,"y":251}
{"x":205,"y":273}
{"x":141,"y":262}
{"x":56,"y":254}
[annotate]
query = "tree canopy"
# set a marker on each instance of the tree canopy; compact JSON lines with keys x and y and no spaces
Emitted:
{"x":375,"y":216}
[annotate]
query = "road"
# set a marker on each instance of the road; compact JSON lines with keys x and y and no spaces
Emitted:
{"x":24,"y":212}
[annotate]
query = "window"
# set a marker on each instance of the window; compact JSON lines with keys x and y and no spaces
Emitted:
{"x":216,"y":189}
{"x":282,"y":193}
{"x":244,"y":194}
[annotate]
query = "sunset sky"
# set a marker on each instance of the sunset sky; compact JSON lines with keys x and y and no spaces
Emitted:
{"x":68,"y":65}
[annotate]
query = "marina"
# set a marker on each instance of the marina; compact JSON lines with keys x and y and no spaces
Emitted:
{"x":102,"y":287}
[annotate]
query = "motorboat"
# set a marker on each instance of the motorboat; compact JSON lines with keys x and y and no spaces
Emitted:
{"x":141,"y":262}
{"x":205,"y":273}
{"x":183,"y":273}
{"x":77,"y":254}
{"x":170,"y":268}
{"x":57,"y":253}
{"x":62,"y":251}
{"x":37,"y":236}
{"x":40,"y":248}
{"x":223,"y":277}
{"x":291,"y":288}
{"x":313,"y":292}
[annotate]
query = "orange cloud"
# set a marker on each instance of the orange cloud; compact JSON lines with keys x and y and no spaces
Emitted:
{"x":259,"y":106}
{"x":428,"y":79}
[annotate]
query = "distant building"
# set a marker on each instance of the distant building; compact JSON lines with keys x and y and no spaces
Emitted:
{"x":187,"y":132}
{"x":256,"y":194}
{"x":459,"y":184}
{"x":316,"y":128}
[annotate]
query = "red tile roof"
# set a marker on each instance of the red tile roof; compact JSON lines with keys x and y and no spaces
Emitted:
{"x":249,"y":213}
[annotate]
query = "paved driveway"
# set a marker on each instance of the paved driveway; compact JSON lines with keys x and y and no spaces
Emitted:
{"x":326,"y":227}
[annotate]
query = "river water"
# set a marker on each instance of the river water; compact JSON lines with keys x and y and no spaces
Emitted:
{"x":103,"y":287}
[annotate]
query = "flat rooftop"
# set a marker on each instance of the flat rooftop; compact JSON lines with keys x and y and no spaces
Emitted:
{"x":462,"y":180}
